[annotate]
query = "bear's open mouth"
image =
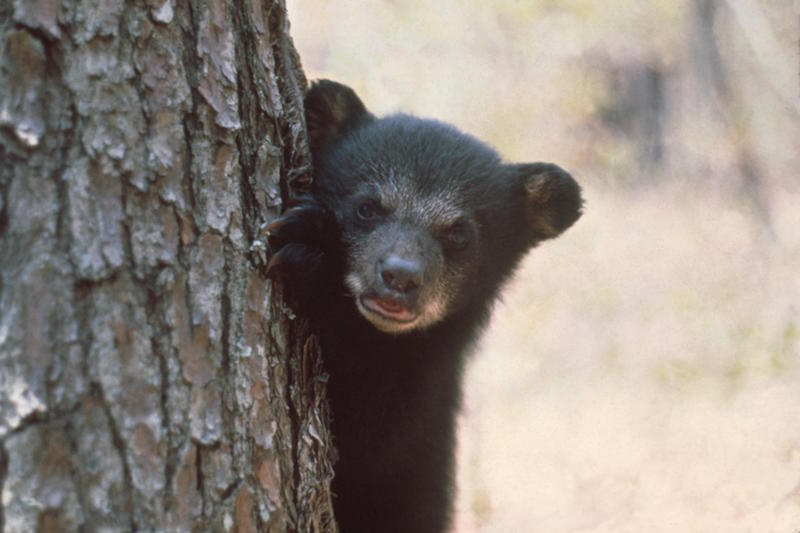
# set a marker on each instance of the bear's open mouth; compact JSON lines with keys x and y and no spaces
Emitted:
{"x":388,"y":308}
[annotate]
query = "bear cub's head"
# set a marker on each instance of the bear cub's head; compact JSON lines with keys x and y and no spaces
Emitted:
{"x":431,"y":220}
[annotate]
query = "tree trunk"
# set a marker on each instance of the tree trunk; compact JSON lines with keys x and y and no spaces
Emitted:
{"x":150,"y":378}
{"x":710,"y":71}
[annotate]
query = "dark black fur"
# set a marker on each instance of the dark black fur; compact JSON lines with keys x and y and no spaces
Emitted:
{"x":421,"y":214}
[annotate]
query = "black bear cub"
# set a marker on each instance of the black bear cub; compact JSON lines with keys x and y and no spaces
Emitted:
{"x":397,"y":256}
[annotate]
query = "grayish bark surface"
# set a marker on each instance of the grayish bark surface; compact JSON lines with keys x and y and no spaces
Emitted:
{"x":150,"y":378}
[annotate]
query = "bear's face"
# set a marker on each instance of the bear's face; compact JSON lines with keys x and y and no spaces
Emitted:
{"x":430,"y":219}
{"x":407,"y":196}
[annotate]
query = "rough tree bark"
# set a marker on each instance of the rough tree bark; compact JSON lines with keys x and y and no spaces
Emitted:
{"x":150,"y":378}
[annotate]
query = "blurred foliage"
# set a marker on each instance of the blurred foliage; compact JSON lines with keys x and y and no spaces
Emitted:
{"x":500,"y":69}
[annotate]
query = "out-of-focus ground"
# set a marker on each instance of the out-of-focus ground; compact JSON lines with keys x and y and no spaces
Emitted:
{"x":642,"y":372}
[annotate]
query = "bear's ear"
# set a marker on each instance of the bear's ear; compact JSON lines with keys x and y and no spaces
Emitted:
{"x":332,"y":110}
{"x":552,"y":199}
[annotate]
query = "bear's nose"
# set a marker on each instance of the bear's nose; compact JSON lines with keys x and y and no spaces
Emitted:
{"x":399,"y":274}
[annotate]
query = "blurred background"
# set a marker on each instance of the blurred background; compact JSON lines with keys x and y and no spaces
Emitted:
{"x":642,"y":372}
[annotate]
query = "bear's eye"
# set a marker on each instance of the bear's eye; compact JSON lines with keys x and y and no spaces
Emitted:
{"x":458,"y":236}
{"x":367,"y":211}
